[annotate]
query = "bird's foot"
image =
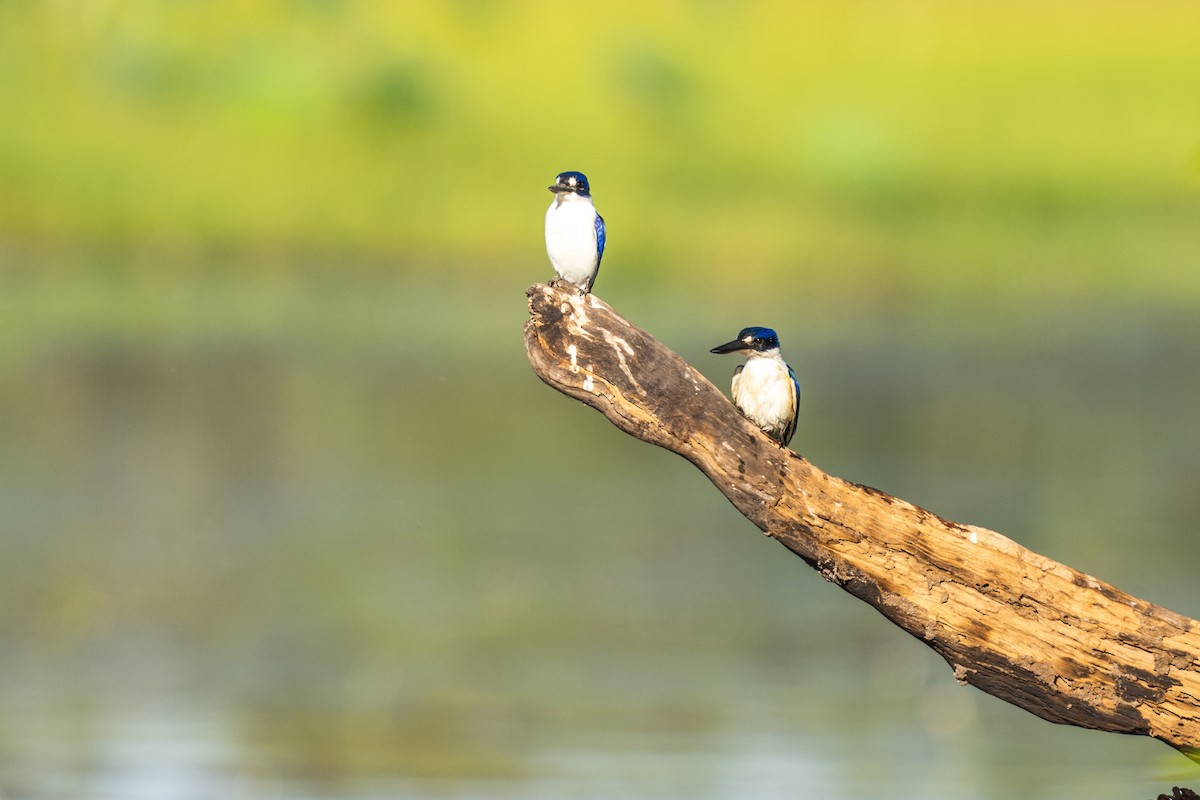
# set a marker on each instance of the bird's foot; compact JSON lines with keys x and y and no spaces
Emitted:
{"x":559,"y":282}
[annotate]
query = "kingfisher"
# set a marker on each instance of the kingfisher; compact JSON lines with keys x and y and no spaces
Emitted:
{"x":764,"y":388}
{"x":574,"y":232}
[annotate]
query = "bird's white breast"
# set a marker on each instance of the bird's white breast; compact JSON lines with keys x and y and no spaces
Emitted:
{"x":765,"y":393}
{"x":571,"y":238}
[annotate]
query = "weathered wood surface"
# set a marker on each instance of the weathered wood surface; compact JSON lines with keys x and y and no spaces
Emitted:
{"x":1036,"y":633}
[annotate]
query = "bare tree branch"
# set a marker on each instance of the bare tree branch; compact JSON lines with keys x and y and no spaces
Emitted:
{"x":1038,"y":634}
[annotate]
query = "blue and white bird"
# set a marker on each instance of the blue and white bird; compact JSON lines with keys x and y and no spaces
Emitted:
{"x":764,"y":388}
{"x":574,"y":232}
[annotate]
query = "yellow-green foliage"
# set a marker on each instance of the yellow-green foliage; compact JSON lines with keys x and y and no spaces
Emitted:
{"x":939,"y":146}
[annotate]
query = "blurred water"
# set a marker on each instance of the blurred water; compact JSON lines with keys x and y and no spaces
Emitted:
{"x":356,"y":551}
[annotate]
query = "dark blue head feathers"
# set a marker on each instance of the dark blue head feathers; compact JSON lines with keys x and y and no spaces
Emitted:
{"x":575,"y":182}
{"x":755,"y":338}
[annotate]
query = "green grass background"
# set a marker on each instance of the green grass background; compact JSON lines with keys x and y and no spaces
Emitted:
{"x":863,"y":148}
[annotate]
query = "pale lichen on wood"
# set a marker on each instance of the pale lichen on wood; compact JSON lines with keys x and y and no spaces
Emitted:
{"x":1041,"y":635}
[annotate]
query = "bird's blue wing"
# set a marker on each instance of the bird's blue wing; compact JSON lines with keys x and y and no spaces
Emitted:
{"x":791,"y":428}
{"x":599,"y":239}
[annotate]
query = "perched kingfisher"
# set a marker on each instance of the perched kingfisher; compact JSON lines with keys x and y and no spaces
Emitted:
{"x":574,"y":232}
{"x":764,"y":388}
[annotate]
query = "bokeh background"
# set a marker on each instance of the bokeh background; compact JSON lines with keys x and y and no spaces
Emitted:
{"x":286,"y":514}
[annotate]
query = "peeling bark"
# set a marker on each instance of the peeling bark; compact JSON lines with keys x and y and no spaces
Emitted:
{"x":1028,"y":630}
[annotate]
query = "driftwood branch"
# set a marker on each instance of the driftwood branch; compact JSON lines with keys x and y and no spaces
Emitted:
{"x":1038,"y":634}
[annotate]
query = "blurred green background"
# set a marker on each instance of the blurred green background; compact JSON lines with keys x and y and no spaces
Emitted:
{"x":285,"y":513}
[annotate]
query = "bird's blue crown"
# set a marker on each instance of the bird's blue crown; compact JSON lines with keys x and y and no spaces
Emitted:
{"x":759,"y":338}
{"x":571,"y":182}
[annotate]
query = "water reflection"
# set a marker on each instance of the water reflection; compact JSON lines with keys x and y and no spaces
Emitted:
{"x":310,"y":563}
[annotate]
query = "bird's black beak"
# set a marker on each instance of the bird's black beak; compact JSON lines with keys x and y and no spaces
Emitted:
{"x":730,"y":347}
{"x":558,"y":187}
